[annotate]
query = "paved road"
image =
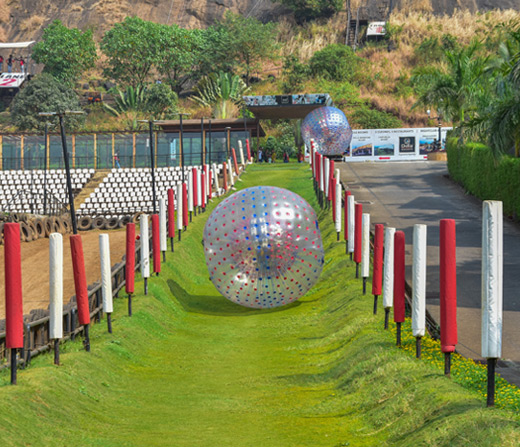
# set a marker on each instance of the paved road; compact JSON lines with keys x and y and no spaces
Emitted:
{"x":401,"y":194}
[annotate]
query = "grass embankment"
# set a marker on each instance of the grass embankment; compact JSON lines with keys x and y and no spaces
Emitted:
{"x":192,"y":369}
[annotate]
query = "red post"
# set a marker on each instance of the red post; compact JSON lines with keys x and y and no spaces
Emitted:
{"x":377,"y":273}
{"x":248,"y":148}
{"x":317,"y":165}
{"x":194,"y":176}
{"x":345,"y":215}
{"x":448,"y":286}
{"x":13,"y":287}
{"x":171,"y":213}
{"x":358,"y":232}
{"x":234,"y":154}
{"x":185,"y":214}
{"x":224,"y":169}
{"x":80,"y":285}
{"x":130,"y":258}
{"x":203,"y":192}
{"x":156,"y":244}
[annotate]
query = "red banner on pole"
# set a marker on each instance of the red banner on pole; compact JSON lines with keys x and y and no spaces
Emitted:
{"x":345,"y":214}
{"x":156,"y":244}
{"x":448,"y":286}
{"x":399,"y":277}
{"x":358,"y":232}
{"x":130,"y":258}
{"x":377,"y":271}
{"x":80,"y":279}
{"x":13,"y":287}
{"x":184,"y":205}
{"x":171,"y":213}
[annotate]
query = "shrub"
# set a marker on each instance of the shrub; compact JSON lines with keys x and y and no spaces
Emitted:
{"x":294,"y":74}
{"x":305,"y":10}
{"x":44,"y":93}
{"x":336,"y":62}
{"x":364,"y":117}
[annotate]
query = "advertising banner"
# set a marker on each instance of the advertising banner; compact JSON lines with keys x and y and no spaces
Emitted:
{"x":361,"y":144}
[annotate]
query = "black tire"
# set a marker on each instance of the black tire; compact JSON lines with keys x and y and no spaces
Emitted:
{"x":1,"y":232}
{"x":135,"y":218}
{"x":67,"y":225}
{"x":34,"y":230}
{"x":26,"y":234}
{"x":85,"y":223}
{"x":48,"y":225}
{"x":40,"y":227}
{"x":99,"y":223}
{"x":15,"y":217}
{"x":125,"y":220}
{"x":112,"y":223}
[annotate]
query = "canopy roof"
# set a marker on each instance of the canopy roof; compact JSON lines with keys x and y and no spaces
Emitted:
{"x":286,"y":106}
{"x":16,"y":44}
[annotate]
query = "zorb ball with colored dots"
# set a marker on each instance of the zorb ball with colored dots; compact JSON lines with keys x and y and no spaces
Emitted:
{"x":330,"y":130}
{"x":263,"y":247}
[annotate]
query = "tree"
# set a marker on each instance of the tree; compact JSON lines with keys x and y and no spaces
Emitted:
{"x":181,"y":56}
{"x":133,"y":47}
{"x":306,"y":10}
{"x":160,"y":101}
{"x":65,"y":52}
{"x":247,"y":41}
{"x":220,"y":91}
{"x":294,"y":73}
{"x":44,"y":94}
{"x":336,"y":62}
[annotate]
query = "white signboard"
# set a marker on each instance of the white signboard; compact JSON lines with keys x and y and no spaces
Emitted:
{"x":376,"y":29}
{"x":11,"y":80}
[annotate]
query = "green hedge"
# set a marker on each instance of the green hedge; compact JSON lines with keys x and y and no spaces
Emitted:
{"x":474,"y":167}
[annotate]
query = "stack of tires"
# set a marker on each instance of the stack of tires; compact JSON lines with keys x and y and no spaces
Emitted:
{"x":86,"y":223}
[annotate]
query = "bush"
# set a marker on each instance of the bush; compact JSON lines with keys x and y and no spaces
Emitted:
{"x":335,"y":62}
{"x":366,"y":118}
{"x":44,"y":93}
{"x":305,"y":10}
{"x":160,"y":101}
{"x":474,"y":167}
{"x":294,"y":74}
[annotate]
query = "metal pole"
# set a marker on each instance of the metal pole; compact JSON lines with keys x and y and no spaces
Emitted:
{"x":13,"y":366}
{"x":209,"y":142}
{"x":491,"y":363}
{"x":440,"y":131}
{"x":228,"y":142}
{"x":67,"y":171}
{"x":45,"y":170}
{"x":202,"y":158}
{"x":152,"y":164}
{"x":182,"y":150}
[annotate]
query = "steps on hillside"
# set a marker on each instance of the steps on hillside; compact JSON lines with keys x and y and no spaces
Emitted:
{"x":90,"y":186}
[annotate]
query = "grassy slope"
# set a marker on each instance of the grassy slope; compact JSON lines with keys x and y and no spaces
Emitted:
{"x":192,"y":369}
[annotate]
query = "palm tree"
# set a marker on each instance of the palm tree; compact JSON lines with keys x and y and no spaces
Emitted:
{"x":222,"y":92}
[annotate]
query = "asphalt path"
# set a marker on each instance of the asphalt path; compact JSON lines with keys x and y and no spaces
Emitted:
{"x":401,"y":194}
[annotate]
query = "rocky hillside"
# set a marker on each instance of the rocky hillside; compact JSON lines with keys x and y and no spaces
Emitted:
{"x":25,"y":19}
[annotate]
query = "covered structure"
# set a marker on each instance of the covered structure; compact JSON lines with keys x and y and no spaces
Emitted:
{"x":286,"y":106}
{"x":207,"y":140}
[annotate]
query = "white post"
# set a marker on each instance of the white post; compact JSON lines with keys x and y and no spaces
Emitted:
{"x":145,"y":246}
{"x":338,"y":176}
{"x":419,"y":281}
{"x":230,"y":172}
{"x":179,"y":206}
{"x":215,"y":179}
{"x":106,"y":273}
{"x":241,"y":150}
{"x":365,"y":246}
{"x":162,"y":225}
{"x":322,"y":171}
{"x":492,"y":279}
{"x":351,"y":222}
{"x":339,"y":214}
{"x":327,"y":175}
{"x":199,"y":187}
{"x":56,"y":286}
{"x":190,"y":191}
{"x":388,"y":269}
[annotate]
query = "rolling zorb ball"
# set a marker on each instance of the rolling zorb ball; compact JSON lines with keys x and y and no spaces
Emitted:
{"x":263,"y":247}
{"x":330,"y":130}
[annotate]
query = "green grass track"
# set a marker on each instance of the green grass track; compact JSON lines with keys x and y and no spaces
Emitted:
{"x":192,"y":369}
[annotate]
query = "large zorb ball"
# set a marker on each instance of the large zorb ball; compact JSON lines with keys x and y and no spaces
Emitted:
{"x":330,"y":130}
{"x":263,"y":247}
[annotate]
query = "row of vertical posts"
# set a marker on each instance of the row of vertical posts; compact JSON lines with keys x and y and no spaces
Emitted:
{"x":388,"y":267}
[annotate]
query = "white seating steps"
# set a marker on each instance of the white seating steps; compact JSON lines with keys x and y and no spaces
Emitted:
{"x":11,"y":182}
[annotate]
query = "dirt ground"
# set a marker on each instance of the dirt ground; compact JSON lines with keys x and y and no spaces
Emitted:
{"x":35,"y":267}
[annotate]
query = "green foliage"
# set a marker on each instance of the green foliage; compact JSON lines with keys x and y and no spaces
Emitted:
{"x":220,"y":91}
{"x":133,"y":47}
{"x":65,"y":52}
{"x":283,"y":141}
{"x":336,"y":62}
{"x":432,"y":49}
{"x":344,"y":94}
{"x":475,"y":167}
{"x":130,"y":99}
{"x":44,"y":94}
{"x":160,"y":101}
{"x":366,"y":118}
{"x":306,"y":10}
{"x":182,"y":56}
{"x":247,"y":42}
{"x":294,"y":74}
